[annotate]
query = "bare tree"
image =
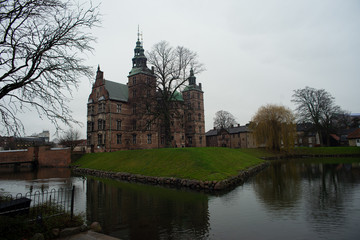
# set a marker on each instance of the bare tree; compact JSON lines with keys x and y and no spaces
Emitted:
{"x":274,"y":126}
{"x":40,"y":43}
{"x":171,"y":66}
{"x":223,"y":119}
{"x":70,"y":138}
{"x":317,"y":107}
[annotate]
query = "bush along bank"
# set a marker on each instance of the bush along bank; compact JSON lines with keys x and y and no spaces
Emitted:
{"x":177,"y":182}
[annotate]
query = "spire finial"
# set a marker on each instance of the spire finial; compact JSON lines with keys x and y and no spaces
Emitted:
{"x":142,"y":40}
{"x":98,"y":67}
{"x":138,"y":33}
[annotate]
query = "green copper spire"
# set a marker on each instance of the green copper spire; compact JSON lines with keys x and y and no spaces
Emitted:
{"x":139,"y":59}
{"x":192,"y":78}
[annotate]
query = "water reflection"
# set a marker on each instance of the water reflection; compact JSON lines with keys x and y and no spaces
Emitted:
{"x":289,"y":200}
{"x":133,"y":211}
{"x":279,"y":186}
{"x":322,"y":194}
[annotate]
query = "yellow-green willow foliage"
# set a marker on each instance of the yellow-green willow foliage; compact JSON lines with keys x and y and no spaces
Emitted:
{"x":274,"y":126}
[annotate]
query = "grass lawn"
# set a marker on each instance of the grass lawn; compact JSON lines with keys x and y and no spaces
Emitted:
{"x":204,"y":164}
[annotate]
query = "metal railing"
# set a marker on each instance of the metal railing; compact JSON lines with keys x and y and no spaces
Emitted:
{"x":39,"y":204}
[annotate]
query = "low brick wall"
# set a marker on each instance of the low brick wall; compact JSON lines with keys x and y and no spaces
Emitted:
{"x":44,"y":156}
{"x":177,"y":182}
{"x":54,"y":157}
{"x":17,"y":155}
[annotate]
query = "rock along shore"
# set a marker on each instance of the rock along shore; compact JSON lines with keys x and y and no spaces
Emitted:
{"x":177,"y":182}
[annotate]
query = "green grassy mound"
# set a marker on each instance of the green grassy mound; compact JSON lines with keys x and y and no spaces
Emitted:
{"x":206,"y":164}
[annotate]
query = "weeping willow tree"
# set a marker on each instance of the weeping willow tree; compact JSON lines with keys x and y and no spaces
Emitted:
{"x":274,"y":126}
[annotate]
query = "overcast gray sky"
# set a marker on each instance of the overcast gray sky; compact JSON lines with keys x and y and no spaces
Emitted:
{"x":255,"y":52}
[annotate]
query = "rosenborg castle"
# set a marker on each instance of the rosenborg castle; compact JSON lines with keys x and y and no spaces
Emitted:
{"x":117,"y":120}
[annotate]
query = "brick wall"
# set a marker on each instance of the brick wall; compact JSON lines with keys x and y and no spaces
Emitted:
{"x":17,"y":155}
{"x":46,"y":157}
{"x":54,"y":157}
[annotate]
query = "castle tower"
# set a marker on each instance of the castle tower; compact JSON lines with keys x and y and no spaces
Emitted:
{"x":194,"y":113}
{"x":142,"y":99}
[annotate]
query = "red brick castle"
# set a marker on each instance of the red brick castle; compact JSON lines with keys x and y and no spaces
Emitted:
{"x":120,"y":115}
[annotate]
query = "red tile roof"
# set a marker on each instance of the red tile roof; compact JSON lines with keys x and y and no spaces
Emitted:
{"x":354,"y":134}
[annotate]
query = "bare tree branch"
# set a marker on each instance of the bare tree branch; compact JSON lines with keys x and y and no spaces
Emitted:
{"x":40,"y":64}
{"x":171,"y":67}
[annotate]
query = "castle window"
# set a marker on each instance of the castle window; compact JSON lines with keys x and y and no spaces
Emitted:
{"x":118,"y":125}
{"x":190,"y":140}
{"x":200,"y":140}
{"x":199,"y":105}
{"x":134,"y":93}
{"x":134,"y":124}
{"x":199,"y":116}
{"x":134,"y":80}
{"x":182,"y":137}
{"x":149,"y":138}
{"x":101,"y":124}
{"x":100,"y":141}
{"x":101,"y":107}
{"x":90,"y":109}
{"x":148,"y":80}
{"x":118,"y":138}
{"x":134,"y":108}
{"x":162,"y":140}
{"x":189,"y":116}
{"x":148,"y":125}
{"x":90,"y":126}
{"x":89,"y":140}
{"x":198,"y":95}
{"x":134,"y":138}
{"x":118,"y":108}
{"x":200,"y":129}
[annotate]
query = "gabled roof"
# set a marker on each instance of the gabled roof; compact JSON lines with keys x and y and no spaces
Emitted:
{"x":212,"y":132}
{"x":117,"y":91}
{"x":354,"y":135}
{"x":230,"y":130}
{"x":238,"y":129}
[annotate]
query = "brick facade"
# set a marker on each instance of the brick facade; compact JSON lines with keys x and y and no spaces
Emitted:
{"x":233,"y":137}
{"x":123,"y":116}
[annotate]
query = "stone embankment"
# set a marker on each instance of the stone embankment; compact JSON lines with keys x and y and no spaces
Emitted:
{"x":177,"y":182}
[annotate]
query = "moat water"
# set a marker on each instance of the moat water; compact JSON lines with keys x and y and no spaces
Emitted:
{"x":293,"y":199}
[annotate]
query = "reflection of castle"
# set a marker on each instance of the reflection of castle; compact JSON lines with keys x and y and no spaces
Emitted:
{"x":123,"y":116}
{"x":136,"y":211}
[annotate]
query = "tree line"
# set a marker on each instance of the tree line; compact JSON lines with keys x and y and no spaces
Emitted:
{"x":275,"y":126}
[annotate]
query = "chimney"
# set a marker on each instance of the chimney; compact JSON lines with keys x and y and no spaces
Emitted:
{"x":152,"y":69}
{"x":200,"y":86}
